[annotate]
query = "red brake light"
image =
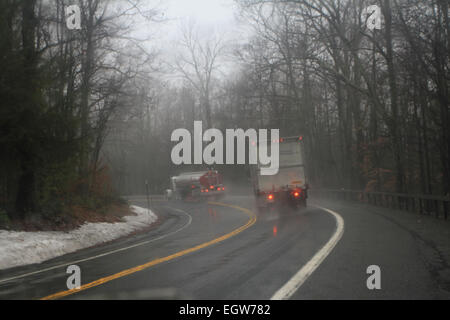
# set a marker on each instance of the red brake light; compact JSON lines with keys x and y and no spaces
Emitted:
{"x":296,"y":194}
{"x":270,"y":197}
{"x":211,"y":187}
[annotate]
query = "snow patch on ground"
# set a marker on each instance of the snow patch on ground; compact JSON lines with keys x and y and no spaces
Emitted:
{"x":22,"y":248}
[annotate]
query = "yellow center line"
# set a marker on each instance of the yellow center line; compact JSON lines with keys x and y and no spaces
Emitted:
{"x":152,"y":263}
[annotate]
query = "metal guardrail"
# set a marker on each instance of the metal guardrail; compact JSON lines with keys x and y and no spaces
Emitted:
{"x":422,"y":204}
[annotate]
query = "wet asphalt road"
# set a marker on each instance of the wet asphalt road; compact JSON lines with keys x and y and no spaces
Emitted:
{"x":211,"y":251}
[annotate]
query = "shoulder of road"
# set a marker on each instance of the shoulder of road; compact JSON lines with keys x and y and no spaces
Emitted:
{"x":431,"y":235}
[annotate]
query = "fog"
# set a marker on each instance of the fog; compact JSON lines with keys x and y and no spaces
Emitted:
{"x":372,"y":110}
{"x":95,"y":93}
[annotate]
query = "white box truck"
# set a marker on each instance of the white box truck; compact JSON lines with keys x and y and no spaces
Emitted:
{"x":289,"y":186}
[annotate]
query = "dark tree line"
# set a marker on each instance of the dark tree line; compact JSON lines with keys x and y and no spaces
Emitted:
{"x":374,"y":105}
{"x":59,"y":88}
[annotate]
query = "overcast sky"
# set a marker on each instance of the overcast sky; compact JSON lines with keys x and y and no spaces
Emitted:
{"x":212,"y":12}
{"x":210,"y":16}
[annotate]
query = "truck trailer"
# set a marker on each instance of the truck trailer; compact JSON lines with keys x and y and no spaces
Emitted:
{"x":289,"y":186}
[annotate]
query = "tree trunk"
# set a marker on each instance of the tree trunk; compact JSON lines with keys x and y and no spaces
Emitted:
{"x":26,"y":193}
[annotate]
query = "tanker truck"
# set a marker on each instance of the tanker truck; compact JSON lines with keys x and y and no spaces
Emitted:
{"x":197,"y":185}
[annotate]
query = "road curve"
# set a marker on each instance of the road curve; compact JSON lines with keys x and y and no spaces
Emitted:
{"x":227,"y":251}
{"x":251,"y":263}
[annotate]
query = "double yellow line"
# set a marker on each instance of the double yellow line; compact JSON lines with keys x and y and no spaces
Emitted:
{"x":152,"y":263}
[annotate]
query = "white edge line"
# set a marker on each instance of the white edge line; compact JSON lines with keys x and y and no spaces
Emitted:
{"x":286,"y":291}
{"x":106,"y":253}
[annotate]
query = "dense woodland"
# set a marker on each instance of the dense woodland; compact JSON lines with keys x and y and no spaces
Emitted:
{"x":87,"y":114}
{"x":59,"y":89}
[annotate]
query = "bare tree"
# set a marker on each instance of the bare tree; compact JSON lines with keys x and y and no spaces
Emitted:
{"x":197,"y":64}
